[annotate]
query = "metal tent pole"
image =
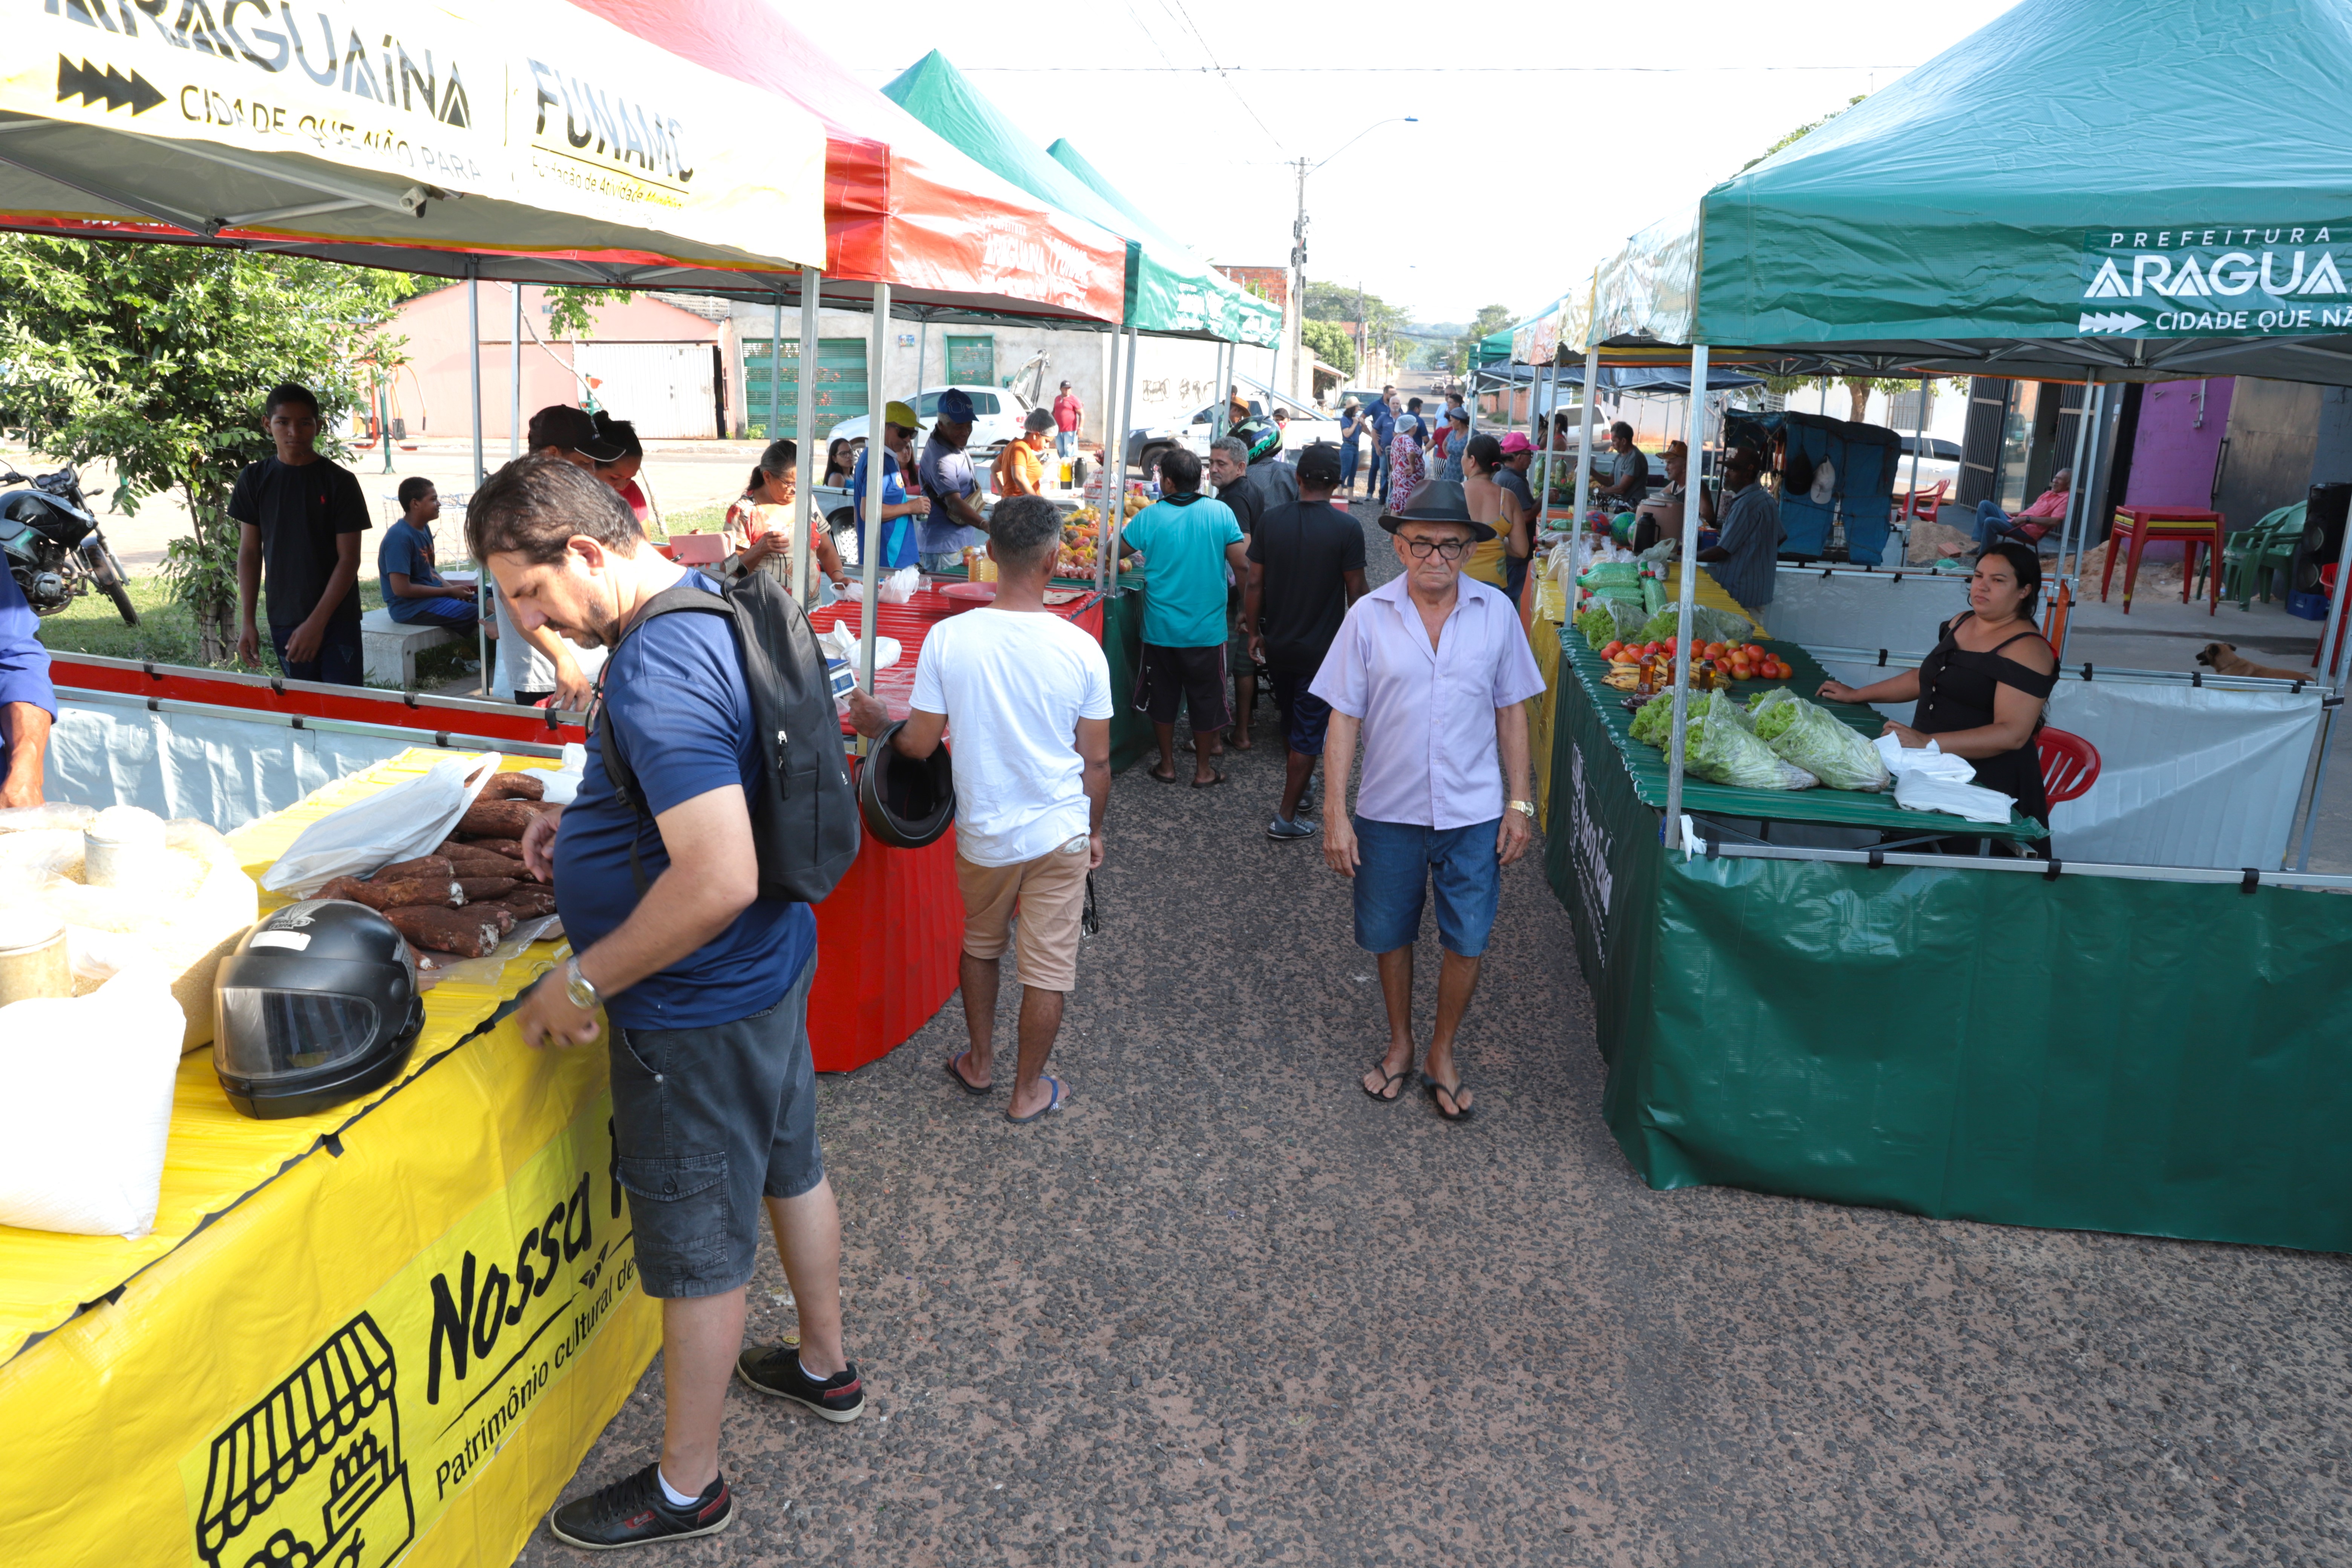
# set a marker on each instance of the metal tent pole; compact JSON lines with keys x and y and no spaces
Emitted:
{"x":1685,"y":597}
{"x":2075,"y":504}
{"x":878,"y":455}
{"x":1118,"y":498}
{"x":474,"y":383}
{"x":1584,"y":456}
{"x":2331,"y":643}
{"x":2075,"y":534}
{"x":1917,"y":442}
{"x":812,"y":464}
{"x":1106,"y":561}
{"x":514,"y":380}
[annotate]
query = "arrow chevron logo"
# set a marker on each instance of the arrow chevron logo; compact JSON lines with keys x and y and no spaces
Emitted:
{"x":2108,"y":321}
{"x":89,"y":83}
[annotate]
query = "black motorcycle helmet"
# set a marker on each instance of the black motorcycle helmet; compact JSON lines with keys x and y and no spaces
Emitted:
{"x":317,"y":1005}
{"x":906,"y":804}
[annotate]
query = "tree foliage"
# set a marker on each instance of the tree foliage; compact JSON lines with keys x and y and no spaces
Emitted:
{"x":1383,"y":322}
{"x":1462,"y":352}
{"x":1800,"y":132}
{"x":1330,"y":342}
{"x":157,"y":357}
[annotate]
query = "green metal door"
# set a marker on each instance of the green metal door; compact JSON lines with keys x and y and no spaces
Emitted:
{"x":840,"y":385}
{"x":971,"y":361}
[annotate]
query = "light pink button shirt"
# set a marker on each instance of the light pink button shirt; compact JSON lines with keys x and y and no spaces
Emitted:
{"x":1430,"y":753}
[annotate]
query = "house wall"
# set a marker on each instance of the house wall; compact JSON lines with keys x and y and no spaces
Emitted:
{"x":433,"y":392}
{"x":1174,"y":375}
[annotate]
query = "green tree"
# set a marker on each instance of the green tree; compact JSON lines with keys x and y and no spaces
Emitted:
{"x":1331,"y":344}
{"x":1383,"y":322}
{"x":1800,"y":132}
{"x":156,"y":358}
{"x":1464,"y":351}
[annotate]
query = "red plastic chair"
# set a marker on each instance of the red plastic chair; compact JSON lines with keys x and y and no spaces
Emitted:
{"x":2070,"y":764}
{"x":1925,"y":503}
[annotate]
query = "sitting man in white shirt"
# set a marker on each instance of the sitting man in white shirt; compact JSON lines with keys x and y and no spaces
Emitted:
{"x":1029,"y":696}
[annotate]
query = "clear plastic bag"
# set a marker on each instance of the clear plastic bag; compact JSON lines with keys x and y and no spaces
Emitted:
{"x":400,"y":823}
{"x":1719,"y":747}
{"x":1811,"y":737}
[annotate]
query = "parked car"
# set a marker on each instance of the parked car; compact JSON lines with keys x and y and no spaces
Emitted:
{"x":997,"y":414}
{"x":1303,"y":427}
{"x":1938,"y":459}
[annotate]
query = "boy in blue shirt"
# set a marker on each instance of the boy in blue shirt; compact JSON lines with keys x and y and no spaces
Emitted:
{"x":412,"y":590}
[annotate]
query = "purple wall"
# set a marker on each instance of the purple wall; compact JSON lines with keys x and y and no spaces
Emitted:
{"x":2172,"y":459}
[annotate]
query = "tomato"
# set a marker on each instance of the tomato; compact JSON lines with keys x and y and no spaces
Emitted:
{"x":1611,"y":650}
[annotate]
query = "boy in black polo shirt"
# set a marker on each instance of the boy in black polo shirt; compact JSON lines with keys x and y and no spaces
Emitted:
{"x":302,"y":516}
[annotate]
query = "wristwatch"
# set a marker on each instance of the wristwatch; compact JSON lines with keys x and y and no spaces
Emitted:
{"x":1527,"y":806}
{"x":581,"y":994}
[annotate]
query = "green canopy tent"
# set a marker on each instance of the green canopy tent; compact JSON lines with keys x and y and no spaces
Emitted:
{"x":1168,"y":291}
{"x":1864,"y":1023}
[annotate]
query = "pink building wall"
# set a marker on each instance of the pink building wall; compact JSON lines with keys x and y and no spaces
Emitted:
{"x":433,"y":394}
{"x":2174,"y":452}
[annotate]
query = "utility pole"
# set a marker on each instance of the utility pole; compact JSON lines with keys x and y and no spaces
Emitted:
{"x":1298,"y":286}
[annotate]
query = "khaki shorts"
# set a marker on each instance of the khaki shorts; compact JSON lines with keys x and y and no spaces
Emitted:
{"x":1050,"y":893}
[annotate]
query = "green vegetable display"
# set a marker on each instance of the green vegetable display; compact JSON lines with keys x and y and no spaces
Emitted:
{"x":1598,"y":626}
{"x":1721,"y":749}
{"x":1811,"y":738}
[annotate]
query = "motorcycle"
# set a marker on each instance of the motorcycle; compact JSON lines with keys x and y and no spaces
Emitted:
{"x":53,"y":547}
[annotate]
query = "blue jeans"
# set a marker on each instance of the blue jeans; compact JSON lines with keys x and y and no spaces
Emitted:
{"x":1066,"y":443}
{"x":1398,"y":865}
{"x":1348,"y":466}
{"x":1992,"y":523}
{"x":1377,"y":486}
{"x":457,"y":615}
{"x":338,"y":662}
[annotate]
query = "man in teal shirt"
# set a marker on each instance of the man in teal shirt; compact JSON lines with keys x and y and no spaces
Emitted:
{"x":1189,"y":543}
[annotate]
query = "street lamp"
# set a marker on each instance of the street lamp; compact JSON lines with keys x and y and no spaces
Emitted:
{"x":1298,"y":252}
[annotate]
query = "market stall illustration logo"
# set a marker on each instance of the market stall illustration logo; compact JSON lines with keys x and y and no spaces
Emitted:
{"x":2157,"y":281}
{"x":312,"y":1476}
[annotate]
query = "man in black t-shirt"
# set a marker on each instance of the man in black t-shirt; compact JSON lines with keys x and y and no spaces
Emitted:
{"x":302,"y":518}
{"x":1307,"y":566}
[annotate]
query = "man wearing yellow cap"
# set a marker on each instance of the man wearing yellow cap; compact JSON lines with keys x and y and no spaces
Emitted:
{"x":898,"y":547}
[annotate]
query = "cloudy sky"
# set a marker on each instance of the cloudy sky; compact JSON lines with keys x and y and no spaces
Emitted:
{"x":1545,"y":135}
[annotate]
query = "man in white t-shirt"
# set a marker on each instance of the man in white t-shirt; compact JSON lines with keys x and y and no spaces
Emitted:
{"x":1029,"y":696}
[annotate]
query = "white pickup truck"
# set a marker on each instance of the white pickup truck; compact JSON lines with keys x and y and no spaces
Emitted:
{"x":1304,"y":425}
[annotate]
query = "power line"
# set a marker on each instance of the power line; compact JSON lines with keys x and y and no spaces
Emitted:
{"x":1228,"y":72}
{"x":1176,"y":7}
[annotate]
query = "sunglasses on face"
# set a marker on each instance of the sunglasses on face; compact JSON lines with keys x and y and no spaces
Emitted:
{"x":1443,"y":549}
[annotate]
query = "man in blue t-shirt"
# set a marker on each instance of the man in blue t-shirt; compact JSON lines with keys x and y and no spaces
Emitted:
{"x":705,"y":983}
{"x":1189,"y":542}
{"x":901,"y":536}
{"x":412,"y":590}
{"x":1384,"y":423}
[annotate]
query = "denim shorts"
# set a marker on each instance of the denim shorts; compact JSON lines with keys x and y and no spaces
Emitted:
{"x":1400,"y":863}
{"x":1305,"y":716}
{"x":706,"y":1122}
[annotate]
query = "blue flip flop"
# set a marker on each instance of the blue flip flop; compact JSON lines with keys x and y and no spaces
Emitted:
{"x":964,"y":1083}
{"x":1052,"y":1105}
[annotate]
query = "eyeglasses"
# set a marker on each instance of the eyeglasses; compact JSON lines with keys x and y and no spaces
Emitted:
{"x":1443,"y":549}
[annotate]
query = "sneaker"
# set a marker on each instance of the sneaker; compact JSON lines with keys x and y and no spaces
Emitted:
{"x":776,"y":1369}
{"x":1289,"y":828}
{"x":632,"y":1512}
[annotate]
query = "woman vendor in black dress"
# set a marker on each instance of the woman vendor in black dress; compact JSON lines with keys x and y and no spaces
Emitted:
{"x":1981,"y":692}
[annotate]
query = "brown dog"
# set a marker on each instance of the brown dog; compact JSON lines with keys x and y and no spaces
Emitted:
{"x":2223,"y":659}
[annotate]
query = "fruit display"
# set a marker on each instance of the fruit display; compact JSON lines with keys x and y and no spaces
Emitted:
{"x":1720,"y":663}
{"x":1082,"y":540}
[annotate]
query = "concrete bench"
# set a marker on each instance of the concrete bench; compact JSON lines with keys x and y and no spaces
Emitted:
{"x":389,"y":647}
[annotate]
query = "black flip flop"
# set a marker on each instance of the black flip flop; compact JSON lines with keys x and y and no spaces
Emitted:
{"x":1211,"y":782}
{"x":1384,"y":1097}
{"x":1159,"y":777}
{"x":1436,"y":1089}
{"x":962,"y":1082}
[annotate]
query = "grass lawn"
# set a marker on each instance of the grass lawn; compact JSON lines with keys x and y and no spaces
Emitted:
{"x":166,"y":633}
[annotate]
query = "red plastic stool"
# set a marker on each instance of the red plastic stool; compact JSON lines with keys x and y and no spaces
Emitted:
{"x":2070,"y":764}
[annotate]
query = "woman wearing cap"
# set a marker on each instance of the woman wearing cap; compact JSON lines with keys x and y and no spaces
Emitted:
{"x":1020,"y":467}
{"x":1405,"y":472}
{"x":760,"y":524}
{"x":1490,"y":559}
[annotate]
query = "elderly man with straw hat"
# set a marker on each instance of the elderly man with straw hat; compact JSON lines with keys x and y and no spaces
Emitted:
{"x":1431,"y":671}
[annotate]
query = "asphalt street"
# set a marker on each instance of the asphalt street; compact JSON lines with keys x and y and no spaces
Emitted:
{"x":1224,"y":1309}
